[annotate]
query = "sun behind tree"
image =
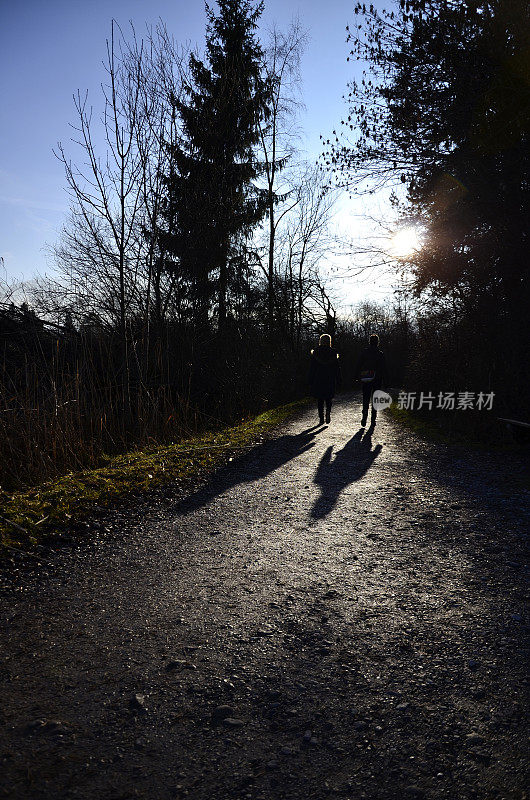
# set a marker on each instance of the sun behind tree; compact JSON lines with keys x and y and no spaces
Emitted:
{"x":405,"y":242}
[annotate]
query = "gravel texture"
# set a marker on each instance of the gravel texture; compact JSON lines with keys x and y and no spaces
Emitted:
{"x":332,"y":614}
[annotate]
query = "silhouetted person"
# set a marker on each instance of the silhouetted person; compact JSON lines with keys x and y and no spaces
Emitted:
{"x":324,"y":375}
{"x":371,"y":371}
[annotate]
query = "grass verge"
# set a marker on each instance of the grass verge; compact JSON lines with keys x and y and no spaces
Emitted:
{"x":26,"y":518}
{"x":498,"y":442}
{"x":493,"y":440}
{"x":445,"y":431}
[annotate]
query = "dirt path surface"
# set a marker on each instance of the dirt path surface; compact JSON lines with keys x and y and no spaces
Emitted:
{"x":333,"y":614}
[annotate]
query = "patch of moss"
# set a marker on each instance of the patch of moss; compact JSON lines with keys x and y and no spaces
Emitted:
{"x":27,"y":517}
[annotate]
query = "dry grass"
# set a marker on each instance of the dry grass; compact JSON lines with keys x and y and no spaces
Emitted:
{"x":27,"y":517}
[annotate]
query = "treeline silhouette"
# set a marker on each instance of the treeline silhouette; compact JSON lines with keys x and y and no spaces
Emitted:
{"x":442,"y":117}
{"x":70,"y":399}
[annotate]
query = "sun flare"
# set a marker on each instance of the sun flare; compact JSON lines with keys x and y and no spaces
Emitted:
{"x":405,"y":242}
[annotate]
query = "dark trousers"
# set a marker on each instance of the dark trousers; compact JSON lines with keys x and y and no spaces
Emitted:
{"x":321,"y":401}
{"x":368,"y":390}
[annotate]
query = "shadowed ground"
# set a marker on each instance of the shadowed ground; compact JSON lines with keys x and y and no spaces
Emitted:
{"x":356,"y":602}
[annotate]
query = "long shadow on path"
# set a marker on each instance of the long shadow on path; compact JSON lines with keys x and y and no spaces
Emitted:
{"x":348,"y":466}
{"x":261,"y":461}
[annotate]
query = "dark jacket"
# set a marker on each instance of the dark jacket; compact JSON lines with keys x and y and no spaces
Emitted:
{"x":324,"y":372}
{"x":373,"y":359}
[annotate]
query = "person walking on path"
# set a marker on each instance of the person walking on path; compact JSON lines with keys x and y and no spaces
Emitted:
{"x":324,"y":376}
{"x":371,"y":371}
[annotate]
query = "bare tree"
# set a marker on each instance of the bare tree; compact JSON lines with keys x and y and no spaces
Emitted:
{"x":106,"y":192}
{"x":160,"y":64}
{"x":278,"y":132}
{"x":111,"y":261}
{"x":303,"y":246}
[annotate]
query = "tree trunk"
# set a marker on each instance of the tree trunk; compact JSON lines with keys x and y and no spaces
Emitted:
{"x":270,"y":271}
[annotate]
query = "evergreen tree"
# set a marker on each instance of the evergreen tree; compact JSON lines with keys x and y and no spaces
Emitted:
{"x":211,"y":201}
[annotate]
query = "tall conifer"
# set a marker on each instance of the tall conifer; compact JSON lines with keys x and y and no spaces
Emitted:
{"x":211,"y":199}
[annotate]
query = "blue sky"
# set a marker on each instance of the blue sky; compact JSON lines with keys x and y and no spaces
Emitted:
{"x":50,"y":49}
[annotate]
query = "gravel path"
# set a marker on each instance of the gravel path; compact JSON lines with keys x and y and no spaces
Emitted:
{"x":333,"y":614}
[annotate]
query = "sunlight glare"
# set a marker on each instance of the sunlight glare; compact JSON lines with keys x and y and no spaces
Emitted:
{"x":405,"y":242}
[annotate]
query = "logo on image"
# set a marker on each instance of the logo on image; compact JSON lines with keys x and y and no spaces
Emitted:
{"x":380,"y":400}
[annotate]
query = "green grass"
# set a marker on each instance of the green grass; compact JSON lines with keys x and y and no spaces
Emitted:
{"x":27,"y":517}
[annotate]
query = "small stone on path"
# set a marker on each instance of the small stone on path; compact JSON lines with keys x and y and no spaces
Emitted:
{"x":137,"y":701}
{"x":232,"y":722}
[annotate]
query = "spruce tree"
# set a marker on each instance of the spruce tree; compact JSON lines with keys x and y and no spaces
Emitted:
{"x":211,"y":201}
